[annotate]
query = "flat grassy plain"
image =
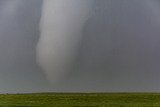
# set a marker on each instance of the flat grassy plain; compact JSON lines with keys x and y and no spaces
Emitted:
{"x":81,"y":100}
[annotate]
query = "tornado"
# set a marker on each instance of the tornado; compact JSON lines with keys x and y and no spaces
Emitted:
{"x":61,"y":27}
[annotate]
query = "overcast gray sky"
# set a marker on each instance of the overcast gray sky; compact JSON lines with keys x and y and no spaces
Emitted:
{"x":119,"y":51}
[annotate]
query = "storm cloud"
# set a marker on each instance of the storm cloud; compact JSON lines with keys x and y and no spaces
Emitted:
{"x":83,"y":45}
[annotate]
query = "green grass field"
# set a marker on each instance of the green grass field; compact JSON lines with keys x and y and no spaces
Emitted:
{"x":81,"y":100}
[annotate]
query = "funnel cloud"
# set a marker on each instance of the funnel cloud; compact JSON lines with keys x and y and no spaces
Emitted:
{"x":60,"y":35}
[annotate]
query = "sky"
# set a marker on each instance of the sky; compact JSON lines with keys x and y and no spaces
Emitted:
{"x":114,"y":48}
